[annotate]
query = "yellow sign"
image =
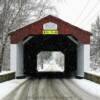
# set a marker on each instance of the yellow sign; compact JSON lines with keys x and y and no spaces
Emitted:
{"x":50,"y":32}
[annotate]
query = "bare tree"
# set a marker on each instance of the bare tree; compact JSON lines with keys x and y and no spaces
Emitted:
{"x":95,"y":44}
{"x":15,"y":14}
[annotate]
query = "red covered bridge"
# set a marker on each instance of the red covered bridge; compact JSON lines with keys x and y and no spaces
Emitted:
{"x":50,"y":34}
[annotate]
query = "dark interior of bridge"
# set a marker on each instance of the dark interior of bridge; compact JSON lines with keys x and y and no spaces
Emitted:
{"x":50,"y":43}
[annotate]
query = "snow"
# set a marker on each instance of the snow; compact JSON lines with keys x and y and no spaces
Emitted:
{"x":85,"y":89}
{"x":93,"y":72}
{"x":53,"y":67}
{"x":54,"y":63}
{"x":6,"y":72}
{"x":88,"y":86}
{"x":9,"y":86}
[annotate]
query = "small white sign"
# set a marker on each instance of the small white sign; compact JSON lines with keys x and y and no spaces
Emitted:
{"x":50,"y":26}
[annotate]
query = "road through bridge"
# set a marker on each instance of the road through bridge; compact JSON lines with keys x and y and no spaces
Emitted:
{"x":43,"y":89}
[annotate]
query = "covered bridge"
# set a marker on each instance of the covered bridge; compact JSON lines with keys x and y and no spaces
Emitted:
{"x":50,"y":34}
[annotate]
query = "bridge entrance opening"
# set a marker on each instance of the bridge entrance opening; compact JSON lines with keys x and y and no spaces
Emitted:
{"x":56,"y":48}
{"x":50,"y":61}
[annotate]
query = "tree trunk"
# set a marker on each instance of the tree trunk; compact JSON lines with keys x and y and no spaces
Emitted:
{"x":2,"y":52}
{"x":1,"y":57}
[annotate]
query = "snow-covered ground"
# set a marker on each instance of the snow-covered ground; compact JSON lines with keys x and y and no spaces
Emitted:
{"x":53,"y":68}
{"x":88,"y":86}
{"x":94,"y":72}
{"x":6,"y":72}
{"x":85,"y":89}
{"x":9,"y":86}
{"x":76,"y":88}
{"x":94,"y":68}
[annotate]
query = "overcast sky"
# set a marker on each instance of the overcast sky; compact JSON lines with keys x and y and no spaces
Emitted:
{"x":78,"y":12}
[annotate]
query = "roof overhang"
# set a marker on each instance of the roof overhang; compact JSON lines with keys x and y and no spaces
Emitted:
{"x":63,"y":28}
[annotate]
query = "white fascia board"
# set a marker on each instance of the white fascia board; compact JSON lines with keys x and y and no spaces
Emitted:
{"x":26,"y":40}
{"x":72,"y":39}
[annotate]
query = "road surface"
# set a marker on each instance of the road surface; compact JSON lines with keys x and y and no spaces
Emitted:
{"x":43,"y":89}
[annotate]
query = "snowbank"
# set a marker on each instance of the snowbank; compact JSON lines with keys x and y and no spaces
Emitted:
{"x":9,"y":86}
{"x":96,"y":73}
{"x":88,"y":86}
{"x":6,"y":72}
{"x":6,"y":75}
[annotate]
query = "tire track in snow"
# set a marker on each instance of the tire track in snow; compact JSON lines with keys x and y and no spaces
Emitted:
{"x":44,"y":89}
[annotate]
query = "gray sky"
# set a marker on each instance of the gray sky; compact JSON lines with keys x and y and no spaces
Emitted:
{"x":80,"y":13}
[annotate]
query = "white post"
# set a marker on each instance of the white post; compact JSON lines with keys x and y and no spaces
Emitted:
{"x":16,"y":59}
{"x":80,"y":61}
{"x":83,"y":59}
{"x":20,"y":69}
{"x":86,"y":57}
{"x":13,"y":57}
